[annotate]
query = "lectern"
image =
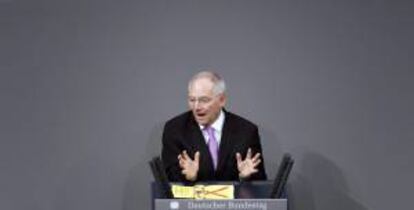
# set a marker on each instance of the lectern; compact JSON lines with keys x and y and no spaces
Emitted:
{"x":248,"y":196}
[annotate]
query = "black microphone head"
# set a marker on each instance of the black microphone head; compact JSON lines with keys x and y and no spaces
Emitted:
{"x":160,"y":177}
{"x":281,"y":173}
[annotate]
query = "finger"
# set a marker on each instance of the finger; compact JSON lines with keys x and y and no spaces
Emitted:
{"x":197,"y":157}
{"x":185,"y":155}
{"x":256,"y":157}
{"x":181,"y":163}
{"x":249,"y":153}
{"x":183,"y":172}
{"x":180,"y":159}
{"x":181,"y":155}
{"x":255,"y":164}
{"x":238,"y":158}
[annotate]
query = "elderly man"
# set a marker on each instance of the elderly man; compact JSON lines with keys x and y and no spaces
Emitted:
{"x":208,"y":143}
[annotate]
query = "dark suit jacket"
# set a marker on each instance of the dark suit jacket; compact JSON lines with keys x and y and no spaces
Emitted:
{"x":183,"y":133}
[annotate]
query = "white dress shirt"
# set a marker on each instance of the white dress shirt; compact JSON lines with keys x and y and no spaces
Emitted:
{"x":218,"y":128}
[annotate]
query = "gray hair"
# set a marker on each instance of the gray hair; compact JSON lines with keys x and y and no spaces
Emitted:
{"x":218,"y":81}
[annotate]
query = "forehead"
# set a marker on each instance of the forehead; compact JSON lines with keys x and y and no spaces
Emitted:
{"x":201,"y":87}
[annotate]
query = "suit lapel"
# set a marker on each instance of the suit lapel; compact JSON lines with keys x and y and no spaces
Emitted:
{"x":226,"y":143}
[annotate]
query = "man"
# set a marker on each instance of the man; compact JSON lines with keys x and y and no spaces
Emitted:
{"x":209,"y":143}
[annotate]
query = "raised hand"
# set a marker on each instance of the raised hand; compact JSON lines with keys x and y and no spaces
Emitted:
{"x":247,"y":166}
{"x":189,"y":166}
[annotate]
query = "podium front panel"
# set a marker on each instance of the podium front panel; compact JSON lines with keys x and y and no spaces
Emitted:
{"x":234,"y":204}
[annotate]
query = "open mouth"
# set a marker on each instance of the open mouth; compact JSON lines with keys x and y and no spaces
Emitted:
{"x":200,"y":115}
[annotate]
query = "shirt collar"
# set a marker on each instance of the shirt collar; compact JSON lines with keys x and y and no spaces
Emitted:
{"x":218,"y":124}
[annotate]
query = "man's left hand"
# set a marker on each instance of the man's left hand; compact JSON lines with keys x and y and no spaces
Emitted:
{"x":247,"y":166}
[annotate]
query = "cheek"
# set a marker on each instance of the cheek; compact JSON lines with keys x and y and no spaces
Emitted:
{"x":191,"y":105}
{"x":208,"y":107}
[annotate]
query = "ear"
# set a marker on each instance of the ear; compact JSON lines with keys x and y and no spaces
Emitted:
{"x":223,"y":99}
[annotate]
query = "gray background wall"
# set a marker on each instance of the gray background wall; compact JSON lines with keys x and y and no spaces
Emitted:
{"x":87,"y":85}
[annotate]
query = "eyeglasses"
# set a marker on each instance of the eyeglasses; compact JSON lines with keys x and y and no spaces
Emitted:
{"x":200,"y":100}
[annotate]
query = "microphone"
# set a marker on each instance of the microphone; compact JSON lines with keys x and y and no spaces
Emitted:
{"x":282,"y":176}
{"x":160,"y":177}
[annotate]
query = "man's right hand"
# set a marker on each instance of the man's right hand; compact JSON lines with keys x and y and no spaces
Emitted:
{"x":189,"y":166}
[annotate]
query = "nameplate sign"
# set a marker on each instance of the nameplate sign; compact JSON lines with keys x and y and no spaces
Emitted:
{"x":234,"y":204}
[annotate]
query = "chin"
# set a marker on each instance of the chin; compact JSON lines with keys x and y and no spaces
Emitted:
{"x":202,"y":123}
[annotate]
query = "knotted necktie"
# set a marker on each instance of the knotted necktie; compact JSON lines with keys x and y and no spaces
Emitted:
{"x":212,"y":145}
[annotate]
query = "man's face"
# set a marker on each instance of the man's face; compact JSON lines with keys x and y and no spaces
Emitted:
{"x":202,"y":101}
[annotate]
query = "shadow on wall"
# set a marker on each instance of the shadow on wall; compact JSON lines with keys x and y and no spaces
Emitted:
{"x":272,"y":151}
{"x":137,"y":191}
{"x":320,"y":185}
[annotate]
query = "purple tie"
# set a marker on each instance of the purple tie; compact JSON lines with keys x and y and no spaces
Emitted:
{"x":212,"y":145}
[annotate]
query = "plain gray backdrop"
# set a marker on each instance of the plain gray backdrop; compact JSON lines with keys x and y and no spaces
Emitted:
{"x":86,"y":87}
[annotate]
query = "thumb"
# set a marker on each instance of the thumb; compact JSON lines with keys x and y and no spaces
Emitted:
{"x":197,"y":157}
{"x":238,"y":158}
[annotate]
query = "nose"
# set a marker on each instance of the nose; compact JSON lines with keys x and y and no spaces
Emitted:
{"x":197,"y":105}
